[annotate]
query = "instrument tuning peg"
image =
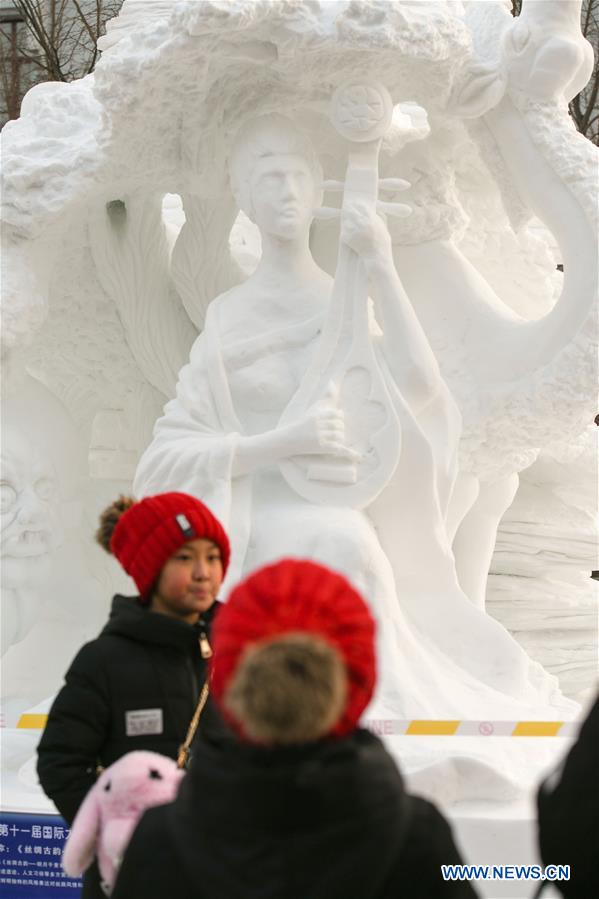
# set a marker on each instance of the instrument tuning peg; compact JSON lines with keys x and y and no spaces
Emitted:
{"x":399,"y":210}
{"x":394,"y":184}
{"x":327,"y":212}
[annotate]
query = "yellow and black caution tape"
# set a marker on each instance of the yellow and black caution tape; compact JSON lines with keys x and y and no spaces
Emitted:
{"x":455,"y":728}
{"x":32,"y":722}
{"x":425,"y":728}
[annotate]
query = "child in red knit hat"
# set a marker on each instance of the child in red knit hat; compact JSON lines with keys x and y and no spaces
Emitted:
{"x":303,"y":804}
{"x":296,"y":659}
{"x":137,"y":685}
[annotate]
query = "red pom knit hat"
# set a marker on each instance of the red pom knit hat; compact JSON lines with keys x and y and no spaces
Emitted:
{"x":279,"y":610}
{"x":151,"y":530}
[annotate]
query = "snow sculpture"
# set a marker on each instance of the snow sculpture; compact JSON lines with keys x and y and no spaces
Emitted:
{"x":283,"y":389}
{"x":108,"y":286}
{"x":530,"y":372}
{"x":30,"y":530}
{"x":344,"y":366}
{"x":546,"y":546}
{"x":40,"y":471}
{"x":44,"y":557}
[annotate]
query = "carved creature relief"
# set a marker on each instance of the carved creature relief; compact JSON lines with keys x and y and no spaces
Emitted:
{"x":31,"y":530}
{"x":533,"y":373}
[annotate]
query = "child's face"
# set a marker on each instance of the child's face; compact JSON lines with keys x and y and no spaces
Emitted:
{"x":189,"y":581}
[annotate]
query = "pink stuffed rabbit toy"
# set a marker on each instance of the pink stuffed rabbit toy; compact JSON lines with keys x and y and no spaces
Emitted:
{"x":110,"y":811}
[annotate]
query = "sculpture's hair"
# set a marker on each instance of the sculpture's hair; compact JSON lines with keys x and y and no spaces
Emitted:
{"x":266,"y":135}
{"x":109,"y":519}
{"x":288,"y":689}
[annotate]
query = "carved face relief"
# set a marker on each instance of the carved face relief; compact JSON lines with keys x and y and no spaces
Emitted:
{"x":30,"y":525}
{"x":283,"y":196}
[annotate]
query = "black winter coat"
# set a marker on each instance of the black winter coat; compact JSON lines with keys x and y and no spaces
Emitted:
{"x":568,"y":804}
{"x":326,"y":821}
{"x":134,"y":687}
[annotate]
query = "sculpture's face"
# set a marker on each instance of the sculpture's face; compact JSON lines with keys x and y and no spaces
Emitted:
{"x":283,"y":196}
{"x":30,"y":527}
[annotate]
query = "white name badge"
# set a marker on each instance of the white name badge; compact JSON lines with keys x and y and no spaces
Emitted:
{"x":143,"y":721}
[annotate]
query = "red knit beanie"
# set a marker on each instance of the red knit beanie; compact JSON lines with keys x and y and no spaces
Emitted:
{"x":288,"y":602}
{"x":151,"y":530}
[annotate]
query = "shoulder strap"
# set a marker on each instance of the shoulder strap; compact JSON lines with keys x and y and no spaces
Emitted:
{"x":193,"y":726}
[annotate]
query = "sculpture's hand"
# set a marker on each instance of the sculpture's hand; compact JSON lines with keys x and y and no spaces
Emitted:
{"x":365,"y":232}
{"x":320,"y":430}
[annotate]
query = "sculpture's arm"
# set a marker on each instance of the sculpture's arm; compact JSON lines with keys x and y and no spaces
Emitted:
{"x":407,"y":350}
{"x":321,"y":430}
{"x":183,"y":455}
{"x":191,"y":448}
{"x":259,"y":450}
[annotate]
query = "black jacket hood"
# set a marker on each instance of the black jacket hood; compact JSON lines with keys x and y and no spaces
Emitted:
{"x":325,"y":820}
{"x":130,"y":618}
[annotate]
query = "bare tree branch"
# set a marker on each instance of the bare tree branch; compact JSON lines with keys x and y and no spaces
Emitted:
{"x":52,"y":40}
{"x":92,"y":34}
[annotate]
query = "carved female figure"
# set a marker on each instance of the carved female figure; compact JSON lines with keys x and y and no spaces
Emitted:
{"x":225,"y":434}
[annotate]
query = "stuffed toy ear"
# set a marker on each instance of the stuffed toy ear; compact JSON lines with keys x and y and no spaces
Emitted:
{"x":80,"y":847}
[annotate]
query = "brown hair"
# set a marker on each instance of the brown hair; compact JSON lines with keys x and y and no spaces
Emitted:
{"x":109,"y":518}
{"x":290,"y":689}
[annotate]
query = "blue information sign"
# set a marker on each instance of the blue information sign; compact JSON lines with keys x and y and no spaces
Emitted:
{"x":31,"y":849}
